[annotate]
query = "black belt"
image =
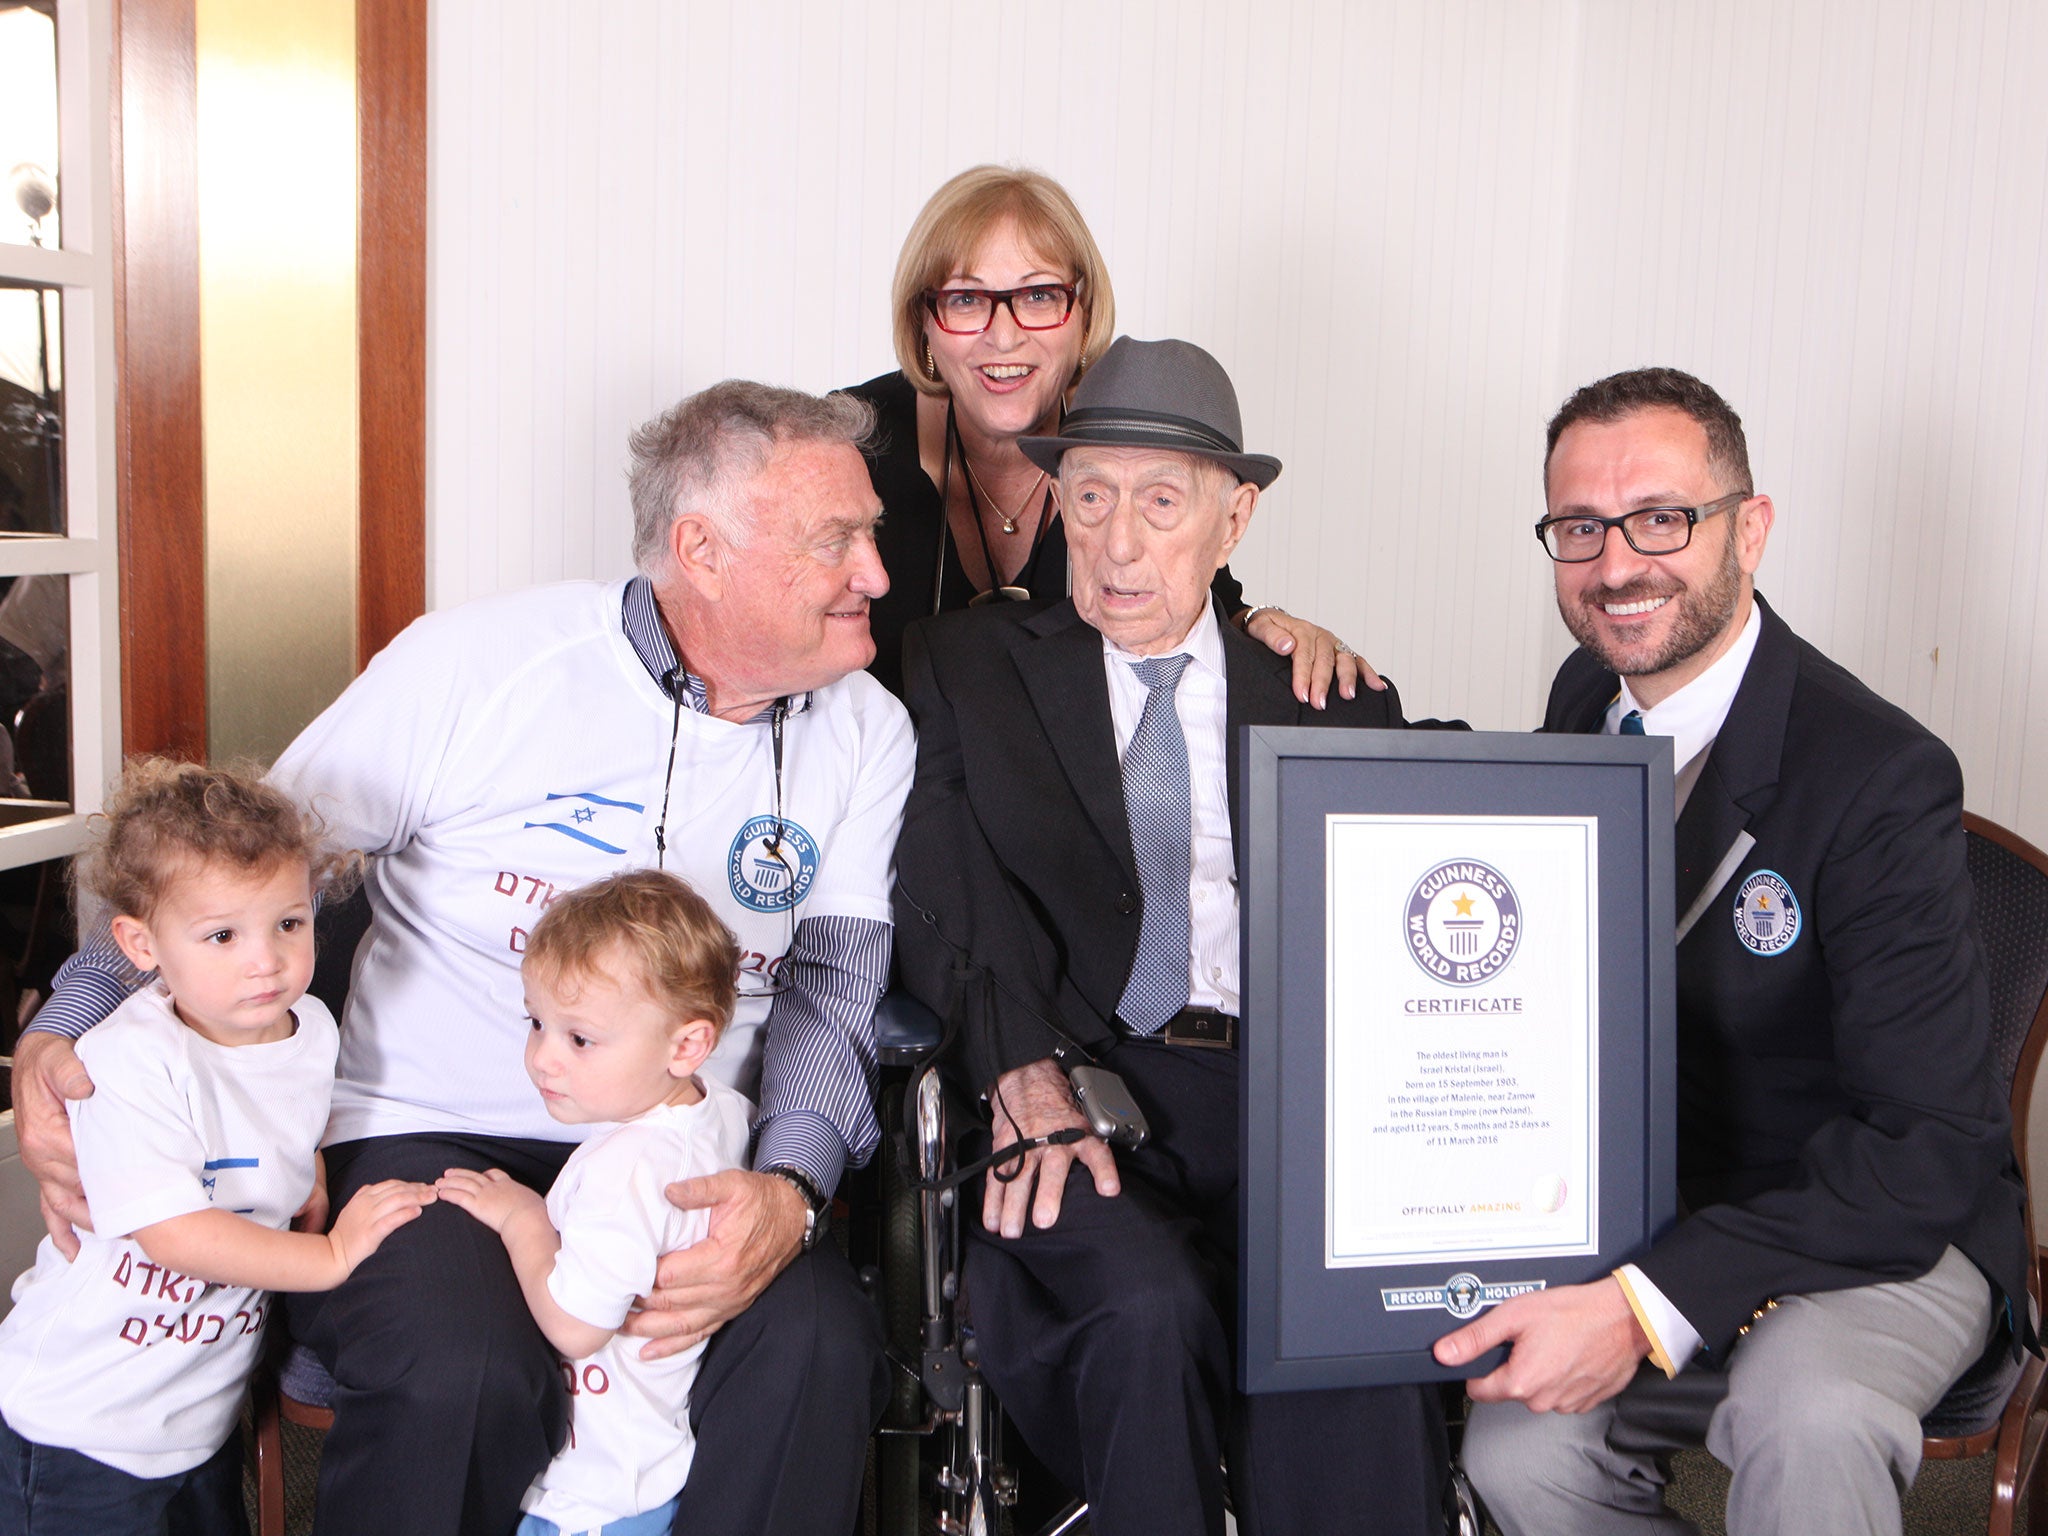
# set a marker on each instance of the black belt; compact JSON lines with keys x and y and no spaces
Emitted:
{"x":1202,"y":1027}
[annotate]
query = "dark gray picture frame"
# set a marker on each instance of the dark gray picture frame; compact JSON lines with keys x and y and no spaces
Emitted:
{"x":1304,"y":1326}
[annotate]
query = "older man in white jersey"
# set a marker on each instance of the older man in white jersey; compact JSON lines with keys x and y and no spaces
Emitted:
{"x":710,"y":716}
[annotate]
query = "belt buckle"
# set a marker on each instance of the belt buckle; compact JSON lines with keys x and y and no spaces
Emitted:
{"x":1202,"y":1029}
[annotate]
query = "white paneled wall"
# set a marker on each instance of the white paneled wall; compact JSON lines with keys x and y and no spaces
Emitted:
{"x":1408,"y":230}
{"x":1838,"y":213}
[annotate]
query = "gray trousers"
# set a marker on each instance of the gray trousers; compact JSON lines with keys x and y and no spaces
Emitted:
{"x":1817,"y":1417}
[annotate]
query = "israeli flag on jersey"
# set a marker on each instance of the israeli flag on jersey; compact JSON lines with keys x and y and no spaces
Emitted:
{"x":601,"y":822}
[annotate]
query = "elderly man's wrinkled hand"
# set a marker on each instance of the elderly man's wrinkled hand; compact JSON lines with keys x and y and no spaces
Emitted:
{"x":757,"y":1228}
{"x":1028,"y":1102}
{"x":1319,"y":656}
{"x":47,"y":1072}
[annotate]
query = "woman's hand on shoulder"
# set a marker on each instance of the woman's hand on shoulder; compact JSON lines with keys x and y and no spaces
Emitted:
{"x":1319,"y":656}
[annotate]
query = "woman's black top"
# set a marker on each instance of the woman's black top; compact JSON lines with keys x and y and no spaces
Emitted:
{"x":925,"y":574}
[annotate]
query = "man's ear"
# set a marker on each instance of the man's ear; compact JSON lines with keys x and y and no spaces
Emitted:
{"x":699,"y":556}
{"x":136,"y":942}
{"x":1238,"y":511}
{"x":1753,"y":521}
{"x":689,"y":1046}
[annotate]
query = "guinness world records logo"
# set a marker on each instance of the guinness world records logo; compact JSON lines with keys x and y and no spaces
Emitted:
{"x":1767,"y":917}
{"x":1464,"y":923}
{"x":771,"y":865}
{"x":1464,"y":1295}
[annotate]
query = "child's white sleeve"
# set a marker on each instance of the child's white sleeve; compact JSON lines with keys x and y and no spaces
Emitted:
{"x":615,"y":1224}
{"x":139,"y":1155}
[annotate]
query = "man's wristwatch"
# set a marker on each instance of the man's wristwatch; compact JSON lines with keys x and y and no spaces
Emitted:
{"x":817,"y":1208}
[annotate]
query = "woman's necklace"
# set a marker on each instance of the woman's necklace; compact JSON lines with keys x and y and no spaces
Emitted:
{"x":1009,"y":519}
{"x":999,"y":591}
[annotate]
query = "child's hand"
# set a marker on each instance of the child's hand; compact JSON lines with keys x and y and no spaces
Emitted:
{"x":372,"y":1214}
{"x":312,"y":1216}
{"x":493,"y":1197}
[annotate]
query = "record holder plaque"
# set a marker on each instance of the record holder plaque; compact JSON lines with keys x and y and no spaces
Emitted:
{"x":1457,"y":1052}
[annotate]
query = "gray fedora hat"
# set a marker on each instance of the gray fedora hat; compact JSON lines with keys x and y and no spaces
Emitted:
{"x":1156,"y":394}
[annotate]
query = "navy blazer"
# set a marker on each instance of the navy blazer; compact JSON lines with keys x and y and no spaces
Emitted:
{"x":1015,"y":849}
{"x":1839,"y":1121}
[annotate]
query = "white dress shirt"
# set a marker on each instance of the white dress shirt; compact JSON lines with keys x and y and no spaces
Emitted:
{"x":1692,"y":718}
{"x":1200,"y":701}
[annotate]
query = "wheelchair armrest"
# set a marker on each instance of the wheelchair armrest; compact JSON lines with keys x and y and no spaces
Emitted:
{"x":904,"y":1029}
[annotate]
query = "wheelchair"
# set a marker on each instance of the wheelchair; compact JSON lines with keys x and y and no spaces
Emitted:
{"x":941,"y":1403}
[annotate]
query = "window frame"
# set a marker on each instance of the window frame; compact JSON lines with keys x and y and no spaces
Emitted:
{"x":82,"y":270}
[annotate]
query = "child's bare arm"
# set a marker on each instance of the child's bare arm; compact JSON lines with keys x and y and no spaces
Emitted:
{"x":312,"y":1216}
{"x":228,"y":1249}
{"x":520,"y":1218}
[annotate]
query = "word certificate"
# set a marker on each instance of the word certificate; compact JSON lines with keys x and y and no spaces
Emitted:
{"x":1462,"y":1013}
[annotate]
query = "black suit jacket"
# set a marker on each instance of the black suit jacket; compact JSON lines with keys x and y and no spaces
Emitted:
{"x":1839,"y":1122}
{"x":1015,"y":849}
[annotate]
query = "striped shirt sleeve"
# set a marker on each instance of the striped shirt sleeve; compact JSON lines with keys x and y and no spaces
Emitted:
{"x":89,"y":986}
{"x":818,"y":1060}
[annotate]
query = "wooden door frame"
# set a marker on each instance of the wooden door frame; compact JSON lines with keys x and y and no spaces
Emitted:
{"x":391,"y":324}
{"x":160,"y":471}
{"x":160,"y":467}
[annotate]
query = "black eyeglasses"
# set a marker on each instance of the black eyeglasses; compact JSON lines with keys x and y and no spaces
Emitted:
{"x":970,"y":311}
{"x":1649,"y":530}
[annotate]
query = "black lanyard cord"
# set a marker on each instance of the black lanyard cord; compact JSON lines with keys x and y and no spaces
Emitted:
{"x":778,"y":712}
{"x":668,"y":777}
{"x":1013,"y":1153}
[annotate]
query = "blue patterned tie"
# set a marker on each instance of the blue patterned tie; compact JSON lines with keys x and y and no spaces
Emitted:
{"x":1156,"y":801}
{"x":1631,"y":724}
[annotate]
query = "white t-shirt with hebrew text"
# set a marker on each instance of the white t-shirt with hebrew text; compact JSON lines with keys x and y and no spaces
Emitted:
{"x":114,"y":1355}
{"x":500,"y":753}
{"x":630,"y":1443}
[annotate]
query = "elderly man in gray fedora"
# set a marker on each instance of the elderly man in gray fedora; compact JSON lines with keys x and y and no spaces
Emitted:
{"x":1068,"y":848}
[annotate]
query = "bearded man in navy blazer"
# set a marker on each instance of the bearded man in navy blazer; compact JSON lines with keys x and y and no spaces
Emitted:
{"x":1851,"y":1238}
{"x":1068,"y":843}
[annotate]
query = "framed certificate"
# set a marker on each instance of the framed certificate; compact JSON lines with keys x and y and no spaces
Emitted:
{"x":1457,"y":1058}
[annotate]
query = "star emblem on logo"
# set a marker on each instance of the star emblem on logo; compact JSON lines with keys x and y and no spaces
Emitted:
{"x":1463,"y":903}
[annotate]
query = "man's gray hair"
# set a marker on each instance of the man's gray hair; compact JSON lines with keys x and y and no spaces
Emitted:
{"x":697,"y":456}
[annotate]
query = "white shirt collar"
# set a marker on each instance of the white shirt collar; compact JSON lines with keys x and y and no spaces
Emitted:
{"x":1692,"y":716}
{"x":1204,"y":643}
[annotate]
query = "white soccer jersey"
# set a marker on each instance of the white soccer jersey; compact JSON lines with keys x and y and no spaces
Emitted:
{"x":503,"y":752}
{"x":629,"y":1442}
{"x":112,"y":1354}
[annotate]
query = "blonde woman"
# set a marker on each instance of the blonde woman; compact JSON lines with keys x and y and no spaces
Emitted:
{"x":1001,"y":300}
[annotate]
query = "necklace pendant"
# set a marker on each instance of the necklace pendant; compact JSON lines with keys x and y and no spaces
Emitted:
{"x":1009,"y":525}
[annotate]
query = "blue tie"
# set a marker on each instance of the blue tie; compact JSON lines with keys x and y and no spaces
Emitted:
{"x":1632,"y":723}
{"x":1156,"y":801}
